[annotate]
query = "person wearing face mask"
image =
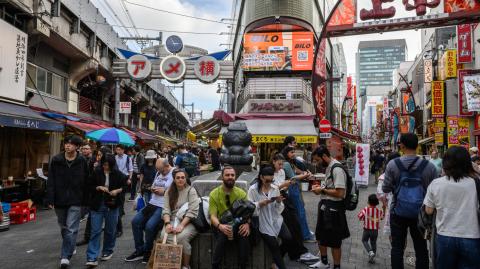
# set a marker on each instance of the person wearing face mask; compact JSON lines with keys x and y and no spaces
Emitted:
{"x":221,"y":199}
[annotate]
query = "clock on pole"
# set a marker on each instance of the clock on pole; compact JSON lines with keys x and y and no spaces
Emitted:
{"x":174,"y":44}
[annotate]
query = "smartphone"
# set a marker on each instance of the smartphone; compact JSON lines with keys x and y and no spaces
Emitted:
{"x":273,"y":198}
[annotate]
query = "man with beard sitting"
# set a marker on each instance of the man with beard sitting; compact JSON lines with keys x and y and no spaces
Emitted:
{"x":221,"y":199}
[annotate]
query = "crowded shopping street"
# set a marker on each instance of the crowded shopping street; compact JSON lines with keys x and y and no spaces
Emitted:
{"x":240,"y":134}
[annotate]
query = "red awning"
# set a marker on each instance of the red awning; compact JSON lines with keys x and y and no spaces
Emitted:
{"x":139,"y":134}
{"x":346,"y":135}
{"x":86,"y":127}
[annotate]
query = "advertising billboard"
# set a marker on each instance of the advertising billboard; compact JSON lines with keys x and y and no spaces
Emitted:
{"x":13,"y":62}
{"x":278,"y":51}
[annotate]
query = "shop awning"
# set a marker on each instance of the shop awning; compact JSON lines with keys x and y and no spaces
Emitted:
{"x":20,"y":116}
{"x":275,"y":131}
{"x":345,"y":135}
{"x":140,"y":134}
{"x":428,"y":140}
{"x":86,"y":127}
{"x":281,"y":127}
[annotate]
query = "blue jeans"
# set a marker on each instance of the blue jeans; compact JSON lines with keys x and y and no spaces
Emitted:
{"x":296,"y":198}
{"x":110,"y":230}
{"x":151,"y":227}
{"x":456,"y":252}
{"x":69,"y":219}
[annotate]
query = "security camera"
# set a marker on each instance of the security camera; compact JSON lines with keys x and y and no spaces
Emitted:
{"x":478,"y":40}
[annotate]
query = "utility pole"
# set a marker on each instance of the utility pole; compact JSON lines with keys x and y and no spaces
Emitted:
{"x":183,"y":92}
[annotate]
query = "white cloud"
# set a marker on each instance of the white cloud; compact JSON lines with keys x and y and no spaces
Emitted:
{"x":204,"y":96}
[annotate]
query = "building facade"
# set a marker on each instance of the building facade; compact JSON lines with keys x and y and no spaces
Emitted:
{"x":375,"y":62}
{"x":62,"y":53}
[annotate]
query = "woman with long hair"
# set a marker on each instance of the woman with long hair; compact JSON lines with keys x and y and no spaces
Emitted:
{"x":106,"y":186}
{"x":179,"y":194}
{"x":296,"y":176}
{"x":455,"y":199}
{"x":269,"y":207}
{"x":296,"y":250}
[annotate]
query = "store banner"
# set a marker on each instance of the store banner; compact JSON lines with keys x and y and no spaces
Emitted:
{"x":438,"y":101}
{"x":450,"y":64}
{"x":345,"y":14}
{"x":462,"y":100}
{"x":472,"y":89}
{"x":278,"y":51}
{"x":362,"y":164}
{"x":464,"y":43}
{"x":278,"y":139}
{"x":428,"y":70}
{"x":458,"y":131}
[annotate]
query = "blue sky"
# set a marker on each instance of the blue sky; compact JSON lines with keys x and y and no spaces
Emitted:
{"x":204,"y":96}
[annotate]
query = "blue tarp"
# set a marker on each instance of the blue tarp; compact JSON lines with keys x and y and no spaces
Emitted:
{"x":53,"y":115}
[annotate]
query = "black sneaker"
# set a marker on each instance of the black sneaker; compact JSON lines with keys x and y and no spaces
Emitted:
{"x":146,"y":257}
{"x":134,"y":257}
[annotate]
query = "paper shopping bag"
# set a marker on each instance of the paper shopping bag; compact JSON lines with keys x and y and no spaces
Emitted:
{"x":167,"y":256}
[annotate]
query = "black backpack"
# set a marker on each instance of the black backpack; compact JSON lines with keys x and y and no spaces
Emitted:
{"x":352,"y":192}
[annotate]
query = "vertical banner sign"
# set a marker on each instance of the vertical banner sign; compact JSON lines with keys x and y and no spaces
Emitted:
{"x":464,"y":43}
{"x":427,"y":70}
{"x":439,"y":127}
{"x":451,"y":64}
{"x":437,"y":99}
{"x":362,"y":164}
{"x":464,"y":132}
{"x":462,"y":96}
{"x":472,"y":88}
{"x":452,"y":122}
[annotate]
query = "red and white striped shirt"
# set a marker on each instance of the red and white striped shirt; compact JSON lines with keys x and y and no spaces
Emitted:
{"x":371,"y":217}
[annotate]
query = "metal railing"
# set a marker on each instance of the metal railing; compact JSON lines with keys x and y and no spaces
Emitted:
{"x":275,"y":89}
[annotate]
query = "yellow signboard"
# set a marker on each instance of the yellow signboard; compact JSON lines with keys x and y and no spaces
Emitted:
{"x":438,"y":108}
{"x":447,"y":67}
{"x":151,"y":125}
{"x":278,"y":139}
{"x":143,"y":115}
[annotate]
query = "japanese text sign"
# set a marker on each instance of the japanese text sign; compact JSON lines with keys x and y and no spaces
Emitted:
{"x":450,"y":64}
{"x":276,"y":106}
{"x":207,"y":69}
{"x":125,"y":108}
{"x":464,"y":43}
{"x":458,"y":131}
{"x":139,"y":67}
{"x":278,"y":139}
{"x":173,"y":68}
{"x":427,"y":70}
{"x":438,"y":109}
{"x":278,"y":51}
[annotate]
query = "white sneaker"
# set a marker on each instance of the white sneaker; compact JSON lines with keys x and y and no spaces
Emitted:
{"x":74,"y":252}
{"x":64,"y":263}
{"x":371,"y":257}
{"x":92,"y":263}
{"x":308,"y":257}
{"x":319,"y":264}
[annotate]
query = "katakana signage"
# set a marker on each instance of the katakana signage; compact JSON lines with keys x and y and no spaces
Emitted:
{"x":458,"y":131}
{"x":173,"y":68}
{"x":276,"y":106}
{"x":427,"y":70}
{"x":438,"y":109}
{"x":139,"y":67}
{"x":207,"y":69}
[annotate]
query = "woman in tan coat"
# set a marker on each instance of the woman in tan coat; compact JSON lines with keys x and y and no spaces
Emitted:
{"x":177,"y":195}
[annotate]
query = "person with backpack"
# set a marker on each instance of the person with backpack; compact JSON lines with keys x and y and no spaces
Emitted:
{"x":335,"y":191}
{"x":407,"y":178}
{"x":455,"y":197}
{"x":124,"y":165}
{"x":187,"y":161}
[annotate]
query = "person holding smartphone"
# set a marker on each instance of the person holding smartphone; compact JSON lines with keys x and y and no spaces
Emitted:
{"x":269,"y":207}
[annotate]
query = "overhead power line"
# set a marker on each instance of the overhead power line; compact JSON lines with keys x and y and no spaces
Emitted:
{"x":125,"y":9}
{"x":179,"y":14}
{"x":153,"y":29}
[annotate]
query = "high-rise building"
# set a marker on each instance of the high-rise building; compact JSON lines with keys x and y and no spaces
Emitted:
{"x":375,"y":62}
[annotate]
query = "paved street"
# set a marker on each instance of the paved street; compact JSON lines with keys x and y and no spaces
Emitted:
{"x":37,"y":244}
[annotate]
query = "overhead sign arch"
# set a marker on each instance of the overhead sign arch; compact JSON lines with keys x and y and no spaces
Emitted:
{"x":346,"y":18}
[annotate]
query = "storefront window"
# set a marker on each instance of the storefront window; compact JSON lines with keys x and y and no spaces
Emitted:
{"x":73,"y":102}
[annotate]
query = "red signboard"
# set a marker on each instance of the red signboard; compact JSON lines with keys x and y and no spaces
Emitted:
{"x":451,"y":6}
{"x":464,"y":41}
{"x":462,"y":97}
{"x":325,"y":126}
{"x":345,"y":14}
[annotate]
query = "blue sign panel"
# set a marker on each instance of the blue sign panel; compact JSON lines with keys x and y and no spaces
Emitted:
{"x":31,"y":123}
